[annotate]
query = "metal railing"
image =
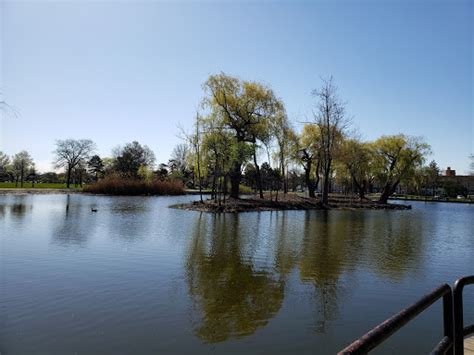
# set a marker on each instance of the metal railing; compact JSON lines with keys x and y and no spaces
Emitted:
{"x":454,"y":330}
{"x":385,"y":329}
{"x":459,"y":330}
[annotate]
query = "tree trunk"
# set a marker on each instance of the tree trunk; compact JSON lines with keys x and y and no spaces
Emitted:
{"x":325,"y":189}
{"x":235,"y":177}
{"x":385,"y":195}
{"x":68,"y":178}
{"x":225,"y":187}
{"x":259,"y":176}
{"x":309,"y":183}
{"x":285,"y":182}
{"x":362,"y":189}
{"x":318,"y":168}
{"x":214,"y":185}
{"x":199,"y":174}
{"x":388,"y":191}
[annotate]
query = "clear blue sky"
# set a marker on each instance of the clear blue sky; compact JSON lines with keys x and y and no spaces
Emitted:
{"x":121,"y":71}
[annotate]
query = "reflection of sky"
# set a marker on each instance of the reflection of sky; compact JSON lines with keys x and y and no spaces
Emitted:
{"x":125,"y":270}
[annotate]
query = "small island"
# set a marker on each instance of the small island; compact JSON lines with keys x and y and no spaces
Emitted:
{"x":250,"y":203}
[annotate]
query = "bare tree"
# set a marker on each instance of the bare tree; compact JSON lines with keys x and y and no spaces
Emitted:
{"x":196,"y":143}
{"x":332,"y":121}
{"x":179,"y":157}
{"x":70,"y":153}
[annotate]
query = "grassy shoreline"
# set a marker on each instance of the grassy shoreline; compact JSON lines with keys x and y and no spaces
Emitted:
{"x":38,"y":191}
{"x":28,"y":185}
{"x":280,"y":205}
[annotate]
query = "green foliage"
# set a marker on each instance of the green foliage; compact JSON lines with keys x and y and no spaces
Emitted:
{"x":244,"y":189}
{"x":306,"y":150}
{"x":453,"y":189}
{"x":21,"y":164}
{"x":145,"y":173}
{"x":96,"y":166}
{"x":244,"y":108}
{"x":131,"y":157}
{"x":4,"y":162}
{"x":271,"y":178}
{"x":396,"y":159}
{"x":356,"y":160}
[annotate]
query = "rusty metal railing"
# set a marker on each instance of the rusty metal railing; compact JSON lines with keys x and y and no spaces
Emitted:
{"x":459,"y":330}
{"x":453,"y":322}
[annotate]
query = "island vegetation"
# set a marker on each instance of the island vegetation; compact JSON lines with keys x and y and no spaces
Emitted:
{"x":244,"y":143}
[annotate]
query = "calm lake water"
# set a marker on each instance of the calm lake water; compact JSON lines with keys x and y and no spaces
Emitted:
{"x":139,"y":278}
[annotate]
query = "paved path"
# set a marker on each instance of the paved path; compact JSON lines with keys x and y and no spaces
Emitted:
{"x":469,"y":346}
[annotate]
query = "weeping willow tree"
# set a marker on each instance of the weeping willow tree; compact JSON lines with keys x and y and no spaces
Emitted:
{"x":357,"y":159}
{"x":217,"y":148}
{"x":306,"y":151}
{"x":395,"y":160}
{"x":245,"y":109}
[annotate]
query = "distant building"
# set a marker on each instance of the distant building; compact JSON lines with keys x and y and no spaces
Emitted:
{"x":449,"y":178}
{"x":449,"y":172}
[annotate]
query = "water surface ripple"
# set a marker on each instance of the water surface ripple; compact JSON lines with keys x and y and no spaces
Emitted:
{"x":139,"y":278}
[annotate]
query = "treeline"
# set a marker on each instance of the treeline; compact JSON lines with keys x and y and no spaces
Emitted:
{"x":244,"y":141}
{"x":129,"y":171}
{"x":19,"y":168}
{"x":244,"y":120}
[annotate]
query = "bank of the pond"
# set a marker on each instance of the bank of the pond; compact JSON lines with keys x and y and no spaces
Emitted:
{"x":431,"y":199}
{"x":38,"y":191}
{"x":288,"y":202}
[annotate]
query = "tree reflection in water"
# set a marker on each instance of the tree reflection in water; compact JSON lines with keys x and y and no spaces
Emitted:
{"x":20,"y":207}
{"x":397,"y":243}
{"x":324,"y":252}
{"x":73,"y":227}
{"x":233,"y":297}
{"x":328,"y":249}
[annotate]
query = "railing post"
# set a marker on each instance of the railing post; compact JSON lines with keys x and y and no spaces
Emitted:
{"x":458,"y":319}
{"x":448,"y":319}
{"x":458,"y":313}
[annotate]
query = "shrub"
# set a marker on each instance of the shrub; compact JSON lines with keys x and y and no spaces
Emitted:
{"x":115,"y":185}
{"x":245,"y":190}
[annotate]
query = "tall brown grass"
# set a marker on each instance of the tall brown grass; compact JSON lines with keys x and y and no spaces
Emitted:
{"x":115,"y":185}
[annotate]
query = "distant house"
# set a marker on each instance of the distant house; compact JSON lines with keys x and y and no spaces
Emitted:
{"x":449,"y":172}
{"x":449,"y":180}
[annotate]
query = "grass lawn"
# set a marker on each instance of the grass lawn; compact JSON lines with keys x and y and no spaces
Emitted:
{"x":27,"y":185}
